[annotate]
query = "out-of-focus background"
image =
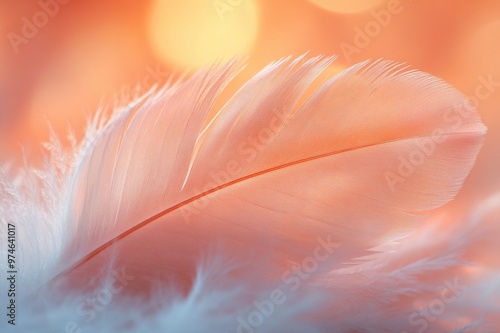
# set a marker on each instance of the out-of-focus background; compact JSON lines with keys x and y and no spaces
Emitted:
{"x":59,"y":59}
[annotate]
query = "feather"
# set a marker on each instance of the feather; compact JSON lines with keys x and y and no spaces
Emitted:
{"x":164,"y":184}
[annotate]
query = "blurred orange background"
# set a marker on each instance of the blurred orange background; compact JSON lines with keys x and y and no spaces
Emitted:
{"x":59,"y":60}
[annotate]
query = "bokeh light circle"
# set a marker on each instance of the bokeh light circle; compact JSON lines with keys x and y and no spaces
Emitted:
{"x":193,"y":33}
{"x":347,"y":6}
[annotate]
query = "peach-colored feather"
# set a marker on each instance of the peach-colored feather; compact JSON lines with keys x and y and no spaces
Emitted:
{"x":317,"y":169}
{"x":360,"y":164}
